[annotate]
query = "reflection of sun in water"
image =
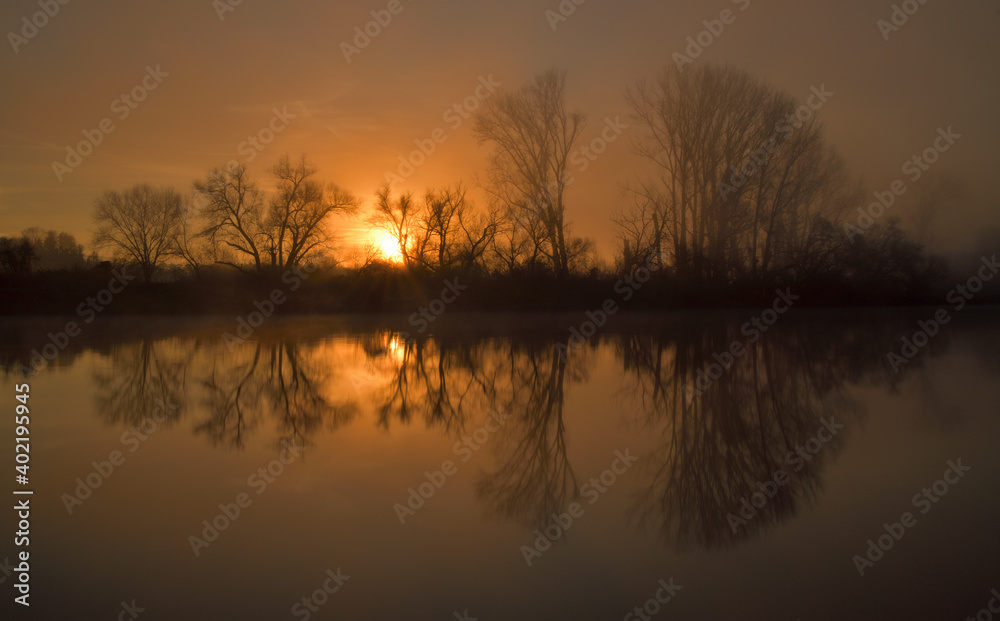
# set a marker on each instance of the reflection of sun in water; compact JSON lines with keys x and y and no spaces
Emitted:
{"x":393,"y":349}
{"x":387,"y":246}
{"x":396,"y":348}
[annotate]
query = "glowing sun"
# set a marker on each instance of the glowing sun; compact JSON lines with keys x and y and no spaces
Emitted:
{"x":387,"y":246}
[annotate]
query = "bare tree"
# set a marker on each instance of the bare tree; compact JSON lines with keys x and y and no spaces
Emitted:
{"x":741,"y":182}
{"x":533,"y":136}
{"x":399,"y":218}
{"x":233,"y":209}
{"x":445,"y":231}
{"x":252,"y":234}
{"x":191,"y":243}
{"x":478,"y":232}
{"x":640,"y":232}
{"x":139,"y":224}
{"x":515,"y":243}
{"x":296,"y":218}
{"x":442,"y":214}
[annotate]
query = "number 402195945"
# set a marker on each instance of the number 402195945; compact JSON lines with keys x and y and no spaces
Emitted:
{"x":22,"y":420}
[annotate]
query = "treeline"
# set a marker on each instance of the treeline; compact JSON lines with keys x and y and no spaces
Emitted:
{"x":741,"y":193}
{"x":37,"y":250}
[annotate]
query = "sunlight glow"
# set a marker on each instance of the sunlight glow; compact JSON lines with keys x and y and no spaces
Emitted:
{"x":386,"y":246}
{"x":396,"y":349}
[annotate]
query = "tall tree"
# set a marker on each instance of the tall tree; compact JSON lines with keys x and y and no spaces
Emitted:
{"x":252,"y":233}
{"x":297,"y":214}
{"x":138,"y":224}
{"x":532,"y":134}
{"x":742,"y":184}
{"x":233,"y":209}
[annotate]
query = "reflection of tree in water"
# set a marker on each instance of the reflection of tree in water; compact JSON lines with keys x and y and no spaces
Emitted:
{"x":281,"y":378}
{"x":535,"y":477}
{"x":232,"y":398}
{"x":450,"y":382}
{"x":718,"y":446}
{"x":144,"y":378}
{"x":713,"y":449}
{"x":295,"y":395}
{"x":237,"y":390}
{"x":442,"y":381}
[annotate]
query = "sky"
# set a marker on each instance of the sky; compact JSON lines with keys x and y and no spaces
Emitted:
{"x":218,"y":73}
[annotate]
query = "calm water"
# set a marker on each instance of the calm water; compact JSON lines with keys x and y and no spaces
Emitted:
{"x":510,"y":433}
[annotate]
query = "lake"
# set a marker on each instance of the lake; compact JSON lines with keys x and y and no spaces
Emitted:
{"x":350,"y":468}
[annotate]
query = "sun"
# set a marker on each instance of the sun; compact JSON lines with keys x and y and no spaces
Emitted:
{"x":386,"y":245}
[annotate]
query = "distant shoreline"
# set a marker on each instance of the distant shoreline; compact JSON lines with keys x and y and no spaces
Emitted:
{"x":111,"y":292}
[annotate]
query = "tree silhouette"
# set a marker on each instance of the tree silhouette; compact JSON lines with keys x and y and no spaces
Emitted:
{"x":233,"y":209}
{"x":252,"y":234}
{"x":533,"y":136}
{"x":139,"y":224}
{"x":741,"y":184}
{"x":298,"y":212}
{"x":716,"y":449}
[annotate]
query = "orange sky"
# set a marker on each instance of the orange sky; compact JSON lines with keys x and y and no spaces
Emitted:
{"x":355,"y":119}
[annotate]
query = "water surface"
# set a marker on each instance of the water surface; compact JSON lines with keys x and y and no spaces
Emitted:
{"x":361,"y":415}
